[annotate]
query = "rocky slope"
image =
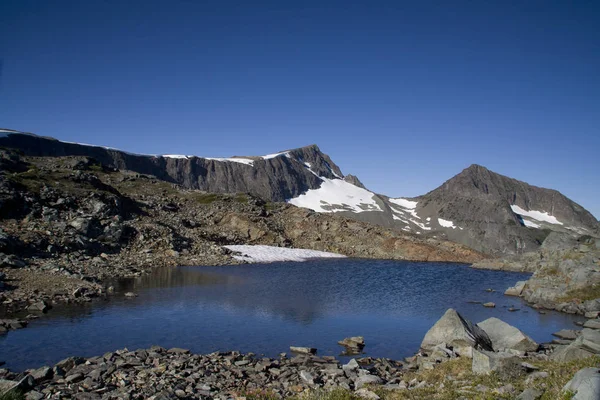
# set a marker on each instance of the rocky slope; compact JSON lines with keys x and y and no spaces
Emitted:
{"x":67,"y":224}
{"x":484,"y":210}
{"x":566,"y":274}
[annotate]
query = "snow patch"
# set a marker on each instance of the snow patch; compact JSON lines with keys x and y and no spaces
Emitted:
{"x":246,"y":161}
{"x":529,"y":224}
{"x":261,"y":253}
{"x":269,"y":156}
{"x":337,"y":195}
{"x":405,"y":203}
{"x":445,"y":223}
{"x":175,"y":156}
{"x":537,"y":215}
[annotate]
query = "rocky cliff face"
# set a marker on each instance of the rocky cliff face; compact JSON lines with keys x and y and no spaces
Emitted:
{"x":275,"y":177}
{"x":484,"y":210}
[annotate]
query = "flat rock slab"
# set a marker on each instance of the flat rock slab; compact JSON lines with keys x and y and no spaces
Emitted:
{"x":567,"y":334}
{"x":585,"y":384}
{"x":592,"y":323}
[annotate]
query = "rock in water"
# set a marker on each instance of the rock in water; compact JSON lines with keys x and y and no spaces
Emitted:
{"x":456,"y":331}
{"x":505,"y":336}
{"x":303,"y":350}
{"x":585,"y":384}
{"x":516,"y":290}
{"x":353,"y":345}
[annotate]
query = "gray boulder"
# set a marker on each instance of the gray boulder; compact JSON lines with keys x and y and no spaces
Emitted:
{"x":592,"y":323}
{"x":456,"y":331}
{"x":586,"y":345}
{"x":516,"y":290}
{"x":486,"y":362}
{"x":505,"y":336}
{"x":303,"y":350}
{"x":568,"y":334}
{"x":585,"y":384}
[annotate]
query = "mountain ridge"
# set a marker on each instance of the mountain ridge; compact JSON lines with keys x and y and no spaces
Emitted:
{"x":487,"y":211}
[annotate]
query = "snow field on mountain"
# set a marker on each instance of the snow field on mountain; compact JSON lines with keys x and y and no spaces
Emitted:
{"x":340,"y":195}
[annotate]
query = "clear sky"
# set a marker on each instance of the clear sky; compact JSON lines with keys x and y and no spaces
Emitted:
{"x":402,"y":94}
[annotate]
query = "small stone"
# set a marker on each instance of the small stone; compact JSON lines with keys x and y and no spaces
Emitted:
{"x":366,"y":394}
{"x":307,"y":377}
{"x":130,"y":294}
{"x":490,"y":304}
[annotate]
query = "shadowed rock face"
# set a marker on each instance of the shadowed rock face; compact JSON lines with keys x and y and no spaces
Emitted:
{"x":278,"y":178}
{"x":480,"y":201}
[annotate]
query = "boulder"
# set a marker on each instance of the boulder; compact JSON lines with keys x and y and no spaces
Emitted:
{"x":303,"y":350}
{"x":586,"y":345}
{"x":568,"y":334}
{"x":39,"y":306}
{"x":592,"y":323}
{"x":456,"y":331}
{"x":505,"y":336}
{"x":486,"y":362}
{"x":353,"y":344}
{"x":366,"y":394}
{"x":367,"y":380}
{"x":11,"y":261}
{"x":516,"y":290}
{"x":585,"y":384}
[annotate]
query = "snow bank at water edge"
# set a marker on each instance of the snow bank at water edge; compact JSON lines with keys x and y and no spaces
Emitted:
{"x":261,"y":253}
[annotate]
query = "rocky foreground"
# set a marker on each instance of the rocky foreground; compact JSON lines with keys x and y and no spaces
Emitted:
{"x":68,"y":225}
{"x":457,"y":359}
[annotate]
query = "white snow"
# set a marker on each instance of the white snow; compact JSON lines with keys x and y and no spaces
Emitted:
{"x":175,"y":156}
{"x":530,"y":224}
{"x":537,"y":215}
{"x":445,"y":223}
{"x":337,"y":195}
{"x":308,"y":165}
{"x":261,"y":253}
{"x":269,"y":156}
{"x":405,"y":203}
{"x":246,"y":161}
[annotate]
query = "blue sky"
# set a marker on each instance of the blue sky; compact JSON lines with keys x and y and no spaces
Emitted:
{"x":402,"y":94}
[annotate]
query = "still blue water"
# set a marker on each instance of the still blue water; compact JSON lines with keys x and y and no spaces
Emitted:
{"x":265,"y":308}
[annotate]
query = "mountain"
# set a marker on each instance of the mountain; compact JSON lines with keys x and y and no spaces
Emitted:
{"x":484,"y":210}
{"x":274,"y":177}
